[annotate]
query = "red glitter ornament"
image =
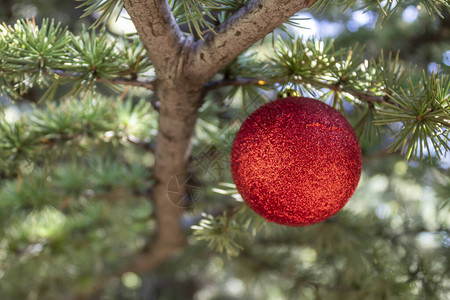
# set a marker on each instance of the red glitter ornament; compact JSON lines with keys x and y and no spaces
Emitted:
{"x":296,"y":161}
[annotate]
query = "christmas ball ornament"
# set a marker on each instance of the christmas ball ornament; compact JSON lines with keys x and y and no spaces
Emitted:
{"x":296,"y":161}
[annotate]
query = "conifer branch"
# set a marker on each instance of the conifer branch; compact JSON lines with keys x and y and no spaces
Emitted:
{"x":141,"y":143}
{"x":148,"y":84}
{"x":370,"y":98}
{"x":213,"y":85}
{"x":72,"y":122}
{"x":248,"y":25}
{"x":55,"y":56}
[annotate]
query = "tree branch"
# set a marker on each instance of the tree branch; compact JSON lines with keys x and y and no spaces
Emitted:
{"x":158,"y":31}
{"x":148,"y":84}
{"x":255,"y":81}
{"x":143,"y":144}
{"x":357,"y":94}
{"x":248,"y":25}
{"x":212,"y":85}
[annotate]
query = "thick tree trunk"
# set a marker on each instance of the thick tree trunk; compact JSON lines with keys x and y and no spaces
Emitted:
{"x":177,"y":117}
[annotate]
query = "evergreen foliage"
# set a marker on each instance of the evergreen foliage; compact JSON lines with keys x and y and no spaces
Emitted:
{"x":76,"y":164}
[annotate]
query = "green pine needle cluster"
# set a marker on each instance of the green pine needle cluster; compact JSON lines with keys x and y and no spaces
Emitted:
{"x":49,"y":56}
{"x":221,"y":233}
{"x":71,"y":126}
{"x":106,"y":10}
{"x":385,"y":8}
{"x":424,"y":111}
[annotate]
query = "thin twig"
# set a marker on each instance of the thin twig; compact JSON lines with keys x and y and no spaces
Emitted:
{"x":255,"y":81}
{"x":148,"y":84}
{"x":360,"y":95}
{"x":234,"y":82}
{"x":137,"y":141}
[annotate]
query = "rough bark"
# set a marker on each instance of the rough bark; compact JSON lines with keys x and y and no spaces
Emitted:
{"x":158,"y":31}
{"x":248,"y":25}
{"x":177,"y":116}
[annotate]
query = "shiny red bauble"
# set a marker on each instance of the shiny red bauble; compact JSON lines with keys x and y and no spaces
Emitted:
{"x":296,"y":161}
